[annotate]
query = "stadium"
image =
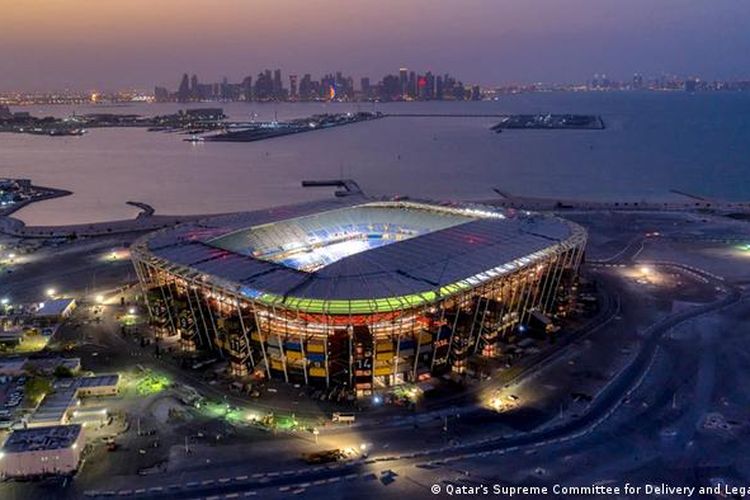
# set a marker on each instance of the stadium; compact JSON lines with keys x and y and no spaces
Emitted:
{"x":359,"y":292}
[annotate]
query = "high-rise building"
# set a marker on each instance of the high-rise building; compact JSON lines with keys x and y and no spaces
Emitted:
{"x":306,"y":88}
{"x":194,"y":88}
{"x":459,"y":93}
{"x":278,"y":87}
{"x":365,"y":87}
{"x":264,"y":86}
{"x":293,"y":86}
{"x":439,"y":88}
{"x":403,"y":79}
{"x":412,"y":85}
{"x":183,"y":93}
{"x":390,"y":88}
{"x":430,"y":86}
{"x":247,"y":89}
{"x":637,"y":81}
{"x":224,"y":89}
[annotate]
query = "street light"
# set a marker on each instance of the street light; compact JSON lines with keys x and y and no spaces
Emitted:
{"x":51,"y":292}
{"x":645,"y":270}
{"x":5,"y":301}
{"x":131,"y":311}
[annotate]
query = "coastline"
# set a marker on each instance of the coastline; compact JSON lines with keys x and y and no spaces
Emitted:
{"x":147,"y":219}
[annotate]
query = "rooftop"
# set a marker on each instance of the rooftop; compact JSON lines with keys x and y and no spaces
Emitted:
{"x":54,"y":307}
{"x":54,"y":437}
{"x":56,"y":404}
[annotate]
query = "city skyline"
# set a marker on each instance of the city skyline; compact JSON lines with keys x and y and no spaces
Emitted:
{"x":69,"y":45}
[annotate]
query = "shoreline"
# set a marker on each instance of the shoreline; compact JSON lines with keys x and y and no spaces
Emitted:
{"x":147,"y":219}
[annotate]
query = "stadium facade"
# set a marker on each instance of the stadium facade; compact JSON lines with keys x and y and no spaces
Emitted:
{"x":358,"y":292}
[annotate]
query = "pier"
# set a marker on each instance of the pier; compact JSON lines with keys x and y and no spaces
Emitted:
{"x":266,"y":130}
{"x":347,"y":187}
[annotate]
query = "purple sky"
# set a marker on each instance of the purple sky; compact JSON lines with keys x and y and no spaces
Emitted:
{"x":107,"y":45}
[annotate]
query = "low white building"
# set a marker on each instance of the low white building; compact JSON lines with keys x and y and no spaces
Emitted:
{"x":42,"y":451}
{"x":57,"y":407}
{"x":56,"y":310}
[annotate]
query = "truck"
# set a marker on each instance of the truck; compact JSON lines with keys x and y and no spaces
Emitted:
{"x":323,"y":457}
{"x":343,"y":418}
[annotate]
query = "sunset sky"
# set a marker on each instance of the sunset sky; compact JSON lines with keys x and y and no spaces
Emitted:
{"x":108,"y":44}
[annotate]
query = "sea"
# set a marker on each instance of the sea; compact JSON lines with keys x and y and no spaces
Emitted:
{"x":653,"y":143}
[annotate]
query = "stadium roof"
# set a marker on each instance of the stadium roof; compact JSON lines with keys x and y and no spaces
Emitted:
{"x":449,"y":248}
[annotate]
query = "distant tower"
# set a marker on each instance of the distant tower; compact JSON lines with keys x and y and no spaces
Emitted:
{"x":247,"y":88}
{"x":277,"y":85}
{"x":365,"y":86}
{"x":293,"y":86}
{"x":412,"y":85}
{"x":195,"y":92}
{"x":183,"y":93}
{"x":403,"y":80}
{"x":439,"y":89}
{"x":637,"y":81}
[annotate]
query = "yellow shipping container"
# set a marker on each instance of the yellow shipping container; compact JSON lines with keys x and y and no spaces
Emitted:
{"x":255,"y":335}
{"x":383,"y":370}
{"x":316,"y":347}
{"x":384,"y":356}
{"x":317,"y":372}
{"x":384,"y":347}
{"x":276,"y":365}
{"x":293,"y":355}
{"x":425,"y":337}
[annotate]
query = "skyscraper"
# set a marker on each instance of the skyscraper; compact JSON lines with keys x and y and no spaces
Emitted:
{"x":194,"y":88}
{"x":183,"y":93}
{"x":637,"y":81}
{"x":293,"y":86}
{"x":306,"y":87}
{"x":263,"y":86}
{"x":277,"y":85}
{"x":247,"y":88}
{"x":412,"y":85}
{"x":365,"y":86}
{"x":403,"y":79}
